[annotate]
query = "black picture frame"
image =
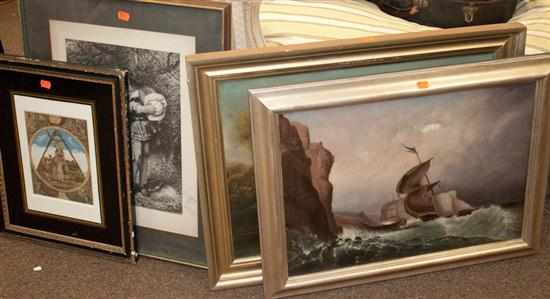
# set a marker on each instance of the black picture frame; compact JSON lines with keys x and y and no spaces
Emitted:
{"x":206,"y":20}
{"x":102,"y":92}
{"x":1,"y":214}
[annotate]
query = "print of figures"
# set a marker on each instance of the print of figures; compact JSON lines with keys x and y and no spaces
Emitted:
{"x":60,"y":157}
{"x":155,"y":118}
{"x":147,"y":110}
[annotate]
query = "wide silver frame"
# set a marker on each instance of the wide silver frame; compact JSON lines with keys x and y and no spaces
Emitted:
{"x":208,"y":71}
{"x":268,"y":104}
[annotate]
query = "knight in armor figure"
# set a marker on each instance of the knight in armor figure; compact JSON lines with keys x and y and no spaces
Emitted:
{"x":147,"y":110}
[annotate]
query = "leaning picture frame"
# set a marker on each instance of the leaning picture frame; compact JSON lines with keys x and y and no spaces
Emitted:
{"x":219,"y":84}
{"x":367,"y":179}
{"x":1,"y":214}
{"x":150,"y":39}
{"x":64,"y":154}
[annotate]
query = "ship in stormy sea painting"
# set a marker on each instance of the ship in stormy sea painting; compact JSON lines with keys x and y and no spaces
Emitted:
{"x":386,"y":180}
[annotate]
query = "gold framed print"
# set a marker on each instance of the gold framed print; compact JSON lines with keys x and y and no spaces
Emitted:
{"x":219,"y":89}
{"x":65,"y":154}
{"x":377,"y":177}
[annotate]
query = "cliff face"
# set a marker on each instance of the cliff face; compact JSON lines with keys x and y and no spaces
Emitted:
{"x":307,"y":189}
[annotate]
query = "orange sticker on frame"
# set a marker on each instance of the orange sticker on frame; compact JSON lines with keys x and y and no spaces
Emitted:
{"x":123,"y":16}
{"x":423,"y":84}
{"x":46,"y":84}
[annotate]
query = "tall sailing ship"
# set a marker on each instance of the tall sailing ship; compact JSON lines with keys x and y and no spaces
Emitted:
{"x":417,"y":199}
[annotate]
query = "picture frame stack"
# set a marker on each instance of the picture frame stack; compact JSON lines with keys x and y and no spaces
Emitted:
{"x":133,"y":129}
{"x":151,"y":40}
{"x":220,"y":86}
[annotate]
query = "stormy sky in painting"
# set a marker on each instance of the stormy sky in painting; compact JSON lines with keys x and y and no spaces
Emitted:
{"x":479,"y":141}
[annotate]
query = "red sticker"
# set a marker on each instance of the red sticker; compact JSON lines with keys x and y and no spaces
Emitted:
{"x":46,"y":84}
{"x":123,"y":15}
{"x":423,"y":84}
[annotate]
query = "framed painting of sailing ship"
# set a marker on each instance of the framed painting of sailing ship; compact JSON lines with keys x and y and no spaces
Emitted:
{"x":63,"y":172}
{"x":220,"y":84}
{"x":371,"y":178}
{"x":150,"y":39}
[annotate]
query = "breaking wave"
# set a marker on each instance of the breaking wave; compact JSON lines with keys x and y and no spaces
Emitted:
{"x":307,"y":254}
{"x":493,"y":222}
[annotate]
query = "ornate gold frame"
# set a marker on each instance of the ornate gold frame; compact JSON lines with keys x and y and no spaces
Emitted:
{"x":207,"y":71}
{"x":268,"y":104}
{"x":28,"y":66}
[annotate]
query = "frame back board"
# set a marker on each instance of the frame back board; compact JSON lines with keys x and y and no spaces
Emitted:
{"x":472,"y":98}
{"x":63,"y":172}
{"x":219,"y":87}
{"x":150,"y":39}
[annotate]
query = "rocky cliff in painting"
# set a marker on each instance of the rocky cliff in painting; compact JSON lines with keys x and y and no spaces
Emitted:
{"x":307,"y":189}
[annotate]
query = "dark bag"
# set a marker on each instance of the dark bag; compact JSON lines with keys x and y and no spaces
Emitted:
{"x":450,"y":13}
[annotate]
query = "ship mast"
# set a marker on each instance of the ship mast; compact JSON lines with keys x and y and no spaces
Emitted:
{"x":412,"y":149}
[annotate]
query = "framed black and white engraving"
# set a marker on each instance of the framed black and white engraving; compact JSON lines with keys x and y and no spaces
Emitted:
{"x":65,"y":154}
{"x":150,"y":39}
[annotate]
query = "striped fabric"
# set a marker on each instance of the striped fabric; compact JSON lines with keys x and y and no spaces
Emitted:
{"x":287,"y":22}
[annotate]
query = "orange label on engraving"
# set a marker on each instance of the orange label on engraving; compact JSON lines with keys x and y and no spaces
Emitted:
{"x":46,"y":84}
{"x":123,"y":15}
{"x":423,"y":84}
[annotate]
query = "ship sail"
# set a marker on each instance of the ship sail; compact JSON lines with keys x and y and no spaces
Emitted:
{"x":447,"y":204}
{"x":416,"y":198}
{"x":419,"y":199}
{"x":462,"y":208}
{"x":419,"y":203}
{"x":412,"y":180}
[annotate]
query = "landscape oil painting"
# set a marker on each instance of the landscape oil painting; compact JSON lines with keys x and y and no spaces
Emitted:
{"x":379,"y":181}
{"x":59,"y":156}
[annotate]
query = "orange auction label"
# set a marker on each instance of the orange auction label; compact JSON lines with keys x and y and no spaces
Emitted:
{"x":46,"y":84}
{"x":423,"y":84}
{"x":123,"y":16}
